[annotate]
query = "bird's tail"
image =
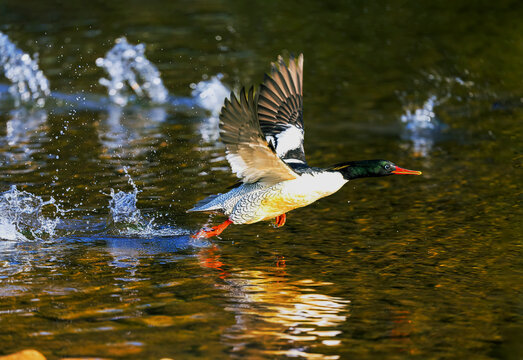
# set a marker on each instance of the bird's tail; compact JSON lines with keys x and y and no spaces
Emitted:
{"x":207,"y":204}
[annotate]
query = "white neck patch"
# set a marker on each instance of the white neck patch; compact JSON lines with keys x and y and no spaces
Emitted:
{"x":290,"y":139}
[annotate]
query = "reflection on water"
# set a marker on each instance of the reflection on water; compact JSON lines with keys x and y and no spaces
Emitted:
{"x":23,"y":124}
{"x":24,"y":130}
{"x":127,"y":133}
{"x":426,"y":267}
{"x":129,"y":251}
{"x":281,"y":316}
{"x":293,"y":317}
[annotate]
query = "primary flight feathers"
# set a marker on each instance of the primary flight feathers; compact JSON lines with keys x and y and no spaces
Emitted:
{"x":280,"y":109}
{"x":263,"y":131}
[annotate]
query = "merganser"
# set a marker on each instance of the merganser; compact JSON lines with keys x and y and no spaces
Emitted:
{"x":263,"y":136}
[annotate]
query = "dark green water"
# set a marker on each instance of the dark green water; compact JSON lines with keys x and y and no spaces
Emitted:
{"x":422,"y":267}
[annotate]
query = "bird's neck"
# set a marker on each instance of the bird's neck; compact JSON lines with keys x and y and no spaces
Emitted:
{"x":356,"y":169}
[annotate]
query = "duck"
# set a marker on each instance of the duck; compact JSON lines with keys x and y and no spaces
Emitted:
{"x":263,"y":134}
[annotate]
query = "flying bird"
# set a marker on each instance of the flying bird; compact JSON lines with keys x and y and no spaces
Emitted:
{"x":263,"y":136}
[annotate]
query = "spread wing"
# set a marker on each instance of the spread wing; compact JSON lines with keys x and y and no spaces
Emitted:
{"x":250,"y":156}
{"x":280,"y":109}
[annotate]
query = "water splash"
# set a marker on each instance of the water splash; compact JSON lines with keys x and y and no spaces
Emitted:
{"x":122,"y":206}
{"x":423,"y":118}
{"x":29,"y":83}
{"x":130,"y":71}
{"x":126,"y":219}
{"x":209,"y":95}
{"x":21,"y":216}
{"x":422,"y":126}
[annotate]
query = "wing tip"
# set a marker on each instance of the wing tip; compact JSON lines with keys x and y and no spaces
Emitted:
{"x":298,"y":61}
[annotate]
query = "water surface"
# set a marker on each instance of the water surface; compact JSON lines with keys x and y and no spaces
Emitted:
{"x":422,"y":267}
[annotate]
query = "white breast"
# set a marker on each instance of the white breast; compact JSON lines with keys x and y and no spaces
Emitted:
{"x":267,"y":203}
{"x":314,"y":186}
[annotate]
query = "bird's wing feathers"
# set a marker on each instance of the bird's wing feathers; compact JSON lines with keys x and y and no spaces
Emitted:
{"x":280,"y":109}
{"x":250,"y":156}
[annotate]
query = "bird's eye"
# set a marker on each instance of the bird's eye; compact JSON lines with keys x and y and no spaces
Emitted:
{"x":387,"y":167}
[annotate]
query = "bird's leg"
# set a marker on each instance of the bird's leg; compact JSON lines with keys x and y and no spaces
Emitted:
{"x":280,"y":220}
{"x":280,"y":263}
{"x":214,"y":231}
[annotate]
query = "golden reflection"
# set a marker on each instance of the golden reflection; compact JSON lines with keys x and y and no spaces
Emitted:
{"x":277,"y":316}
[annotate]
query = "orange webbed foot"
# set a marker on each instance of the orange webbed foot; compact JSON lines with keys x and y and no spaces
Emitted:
{"x":214,"y":231}
{"x":280,"y":220}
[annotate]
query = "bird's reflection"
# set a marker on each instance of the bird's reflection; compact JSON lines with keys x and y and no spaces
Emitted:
{"x":273,"y":312}
{"x":403,"y":328}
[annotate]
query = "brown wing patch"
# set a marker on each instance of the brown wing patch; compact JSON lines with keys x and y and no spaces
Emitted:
{"x":248,"y":152}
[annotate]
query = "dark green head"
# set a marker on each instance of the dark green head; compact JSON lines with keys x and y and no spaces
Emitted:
{"x":370,"y":168}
